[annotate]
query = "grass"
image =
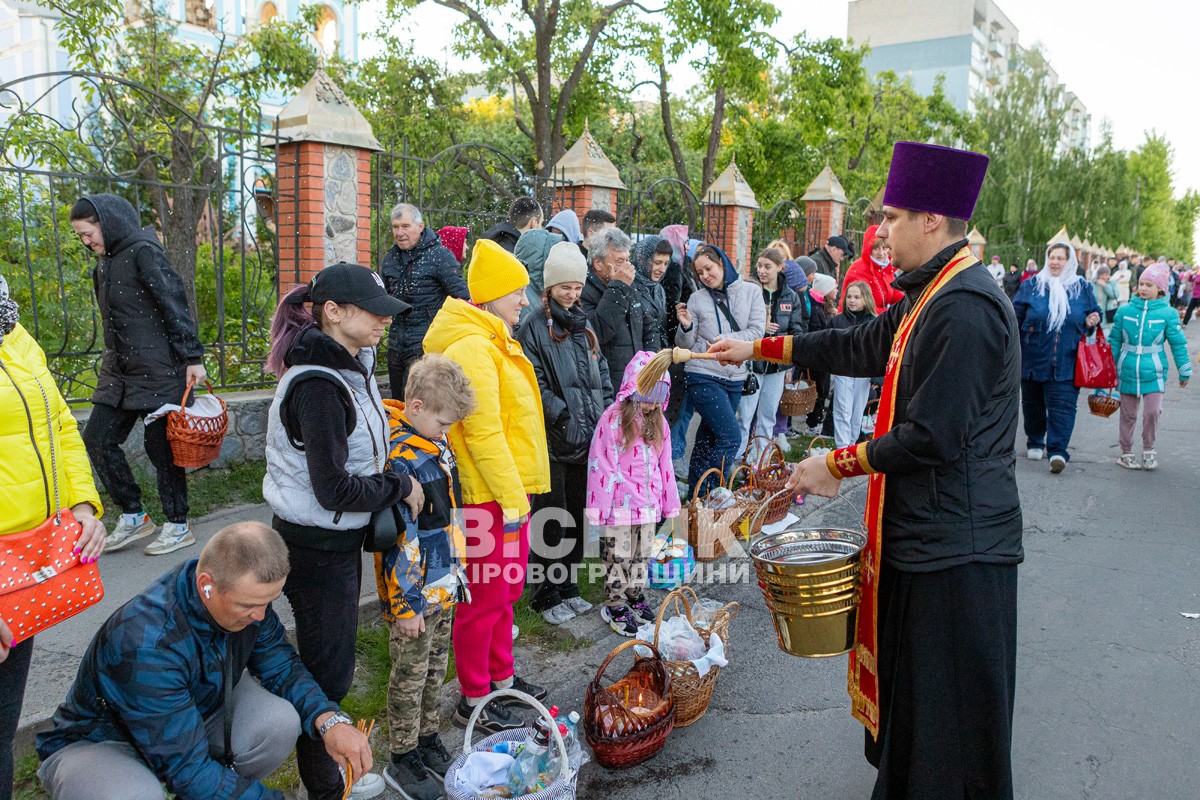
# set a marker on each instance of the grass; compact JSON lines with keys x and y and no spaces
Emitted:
{"x":25,"y":782}
{"x":209,"y":489}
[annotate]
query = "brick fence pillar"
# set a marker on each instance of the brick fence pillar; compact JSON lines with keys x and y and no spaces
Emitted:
{"x":824,"y":207}
{"x":323,"y":182}
{"x":589,"y":180}
{"x":976,"y":242}
{"x":729,"y":206}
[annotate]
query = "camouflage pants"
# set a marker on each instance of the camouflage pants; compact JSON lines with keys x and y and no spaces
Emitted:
{"x":625,"y":550}
{"x":418,"y":672}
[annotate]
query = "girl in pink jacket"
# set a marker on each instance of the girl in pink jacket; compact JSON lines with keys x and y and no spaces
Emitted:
{"x":631,"y":489}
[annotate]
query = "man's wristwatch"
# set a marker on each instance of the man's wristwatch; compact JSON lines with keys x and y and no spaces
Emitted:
{"x":338,"y":717}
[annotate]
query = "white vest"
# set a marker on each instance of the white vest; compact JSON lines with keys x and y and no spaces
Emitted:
{"x":287,"y":486}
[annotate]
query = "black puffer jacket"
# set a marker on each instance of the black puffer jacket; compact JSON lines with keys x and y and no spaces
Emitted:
{"x":617,"y":315}
{"x":422,"y":277}
{"x":951,"y":495}
{"x":575,"y":382}
{"x":150,"y":338}
{"x":504,"y":235}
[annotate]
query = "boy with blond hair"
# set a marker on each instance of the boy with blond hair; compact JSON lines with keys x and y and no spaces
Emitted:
{"x":422,"y":577}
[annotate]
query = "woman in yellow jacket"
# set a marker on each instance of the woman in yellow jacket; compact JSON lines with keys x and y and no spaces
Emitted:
{"x":502,"y":460}
{"x":42,"y":450}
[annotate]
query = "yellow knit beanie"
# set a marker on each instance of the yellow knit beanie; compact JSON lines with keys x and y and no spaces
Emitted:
{"x":494,"y":272}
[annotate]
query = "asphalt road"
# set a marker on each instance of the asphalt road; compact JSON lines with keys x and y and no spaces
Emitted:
{"x":1108,"y":683}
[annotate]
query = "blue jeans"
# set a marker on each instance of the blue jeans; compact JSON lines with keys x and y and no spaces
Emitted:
{"x":1049,"y":411}
{"x":718,"y":437}
{"x":680,"y":428}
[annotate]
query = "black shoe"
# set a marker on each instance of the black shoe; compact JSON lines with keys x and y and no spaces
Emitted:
{"x":494,"y":718}
{"x":434,"y":755}
{"x":408,"y":776}
{"x":538,"y":693}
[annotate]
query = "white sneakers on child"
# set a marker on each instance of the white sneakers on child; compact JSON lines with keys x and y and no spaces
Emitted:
{"x":1149,"y":460}
{"x":1129,"y":461}
{"x":1035,"y":454}
{"x":557,"y":615}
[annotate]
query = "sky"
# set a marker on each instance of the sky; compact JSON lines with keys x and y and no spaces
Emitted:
{"x":1127,"y":66}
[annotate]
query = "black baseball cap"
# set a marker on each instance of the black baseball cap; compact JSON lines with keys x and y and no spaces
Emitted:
{"x":356,"y":285}
{"x":841,"y":243}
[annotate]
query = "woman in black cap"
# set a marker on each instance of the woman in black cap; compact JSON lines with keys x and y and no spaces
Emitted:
{"x":327,"y":444}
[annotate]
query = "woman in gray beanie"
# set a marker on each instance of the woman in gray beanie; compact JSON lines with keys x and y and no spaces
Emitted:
{"x":576,"y":388}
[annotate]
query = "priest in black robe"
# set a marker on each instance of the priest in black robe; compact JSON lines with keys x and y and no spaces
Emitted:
{"x":933,"y":672}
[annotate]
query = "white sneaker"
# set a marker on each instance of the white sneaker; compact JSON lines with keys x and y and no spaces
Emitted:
{"x":578,"y":605}
{"x":1057,"y":464}
{"x":1149,"y":460}
{"x":1035,"y":454}
{"x":1129,"y":461}
{"x":173,"y":537}
{"x":369,"y":785}
{"x":516,"y":632}
{"x":558,"y":614}
{"x":784,"y":444}
{"x":130,"y":528}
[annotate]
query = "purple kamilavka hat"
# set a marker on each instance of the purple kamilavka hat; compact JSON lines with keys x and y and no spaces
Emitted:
{"x":935,"y":179}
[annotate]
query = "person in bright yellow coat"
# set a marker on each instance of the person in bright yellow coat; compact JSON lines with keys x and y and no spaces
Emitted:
{"x":502,"y":460}
{"x":41,"y":449}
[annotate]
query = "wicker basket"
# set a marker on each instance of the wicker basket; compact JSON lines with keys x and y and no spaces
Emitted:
{"x":749,"y":498}
{"x":1104,"y":402}
{"x":563,"y":786}
{"x":619,"y":735}
{"x":196,"y":441}
{"x":708,"y":529}
{"x":692,"y":693}
{"x":797,"y":402}
{"x":823,"y":440}
{"x":771,"y":477}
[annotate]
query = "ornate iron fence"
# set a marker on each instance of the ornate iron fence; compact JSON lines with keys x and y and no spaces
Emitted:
{"x":193,"y":181}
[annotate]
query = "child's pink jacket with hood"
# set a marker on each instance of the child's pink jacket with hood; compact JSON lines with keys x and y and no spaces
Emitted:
{"x":629,"y":485}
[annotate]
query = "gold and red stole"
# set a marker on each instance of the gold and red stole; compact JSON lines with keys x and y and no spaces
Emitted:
{"x":863,"y":673}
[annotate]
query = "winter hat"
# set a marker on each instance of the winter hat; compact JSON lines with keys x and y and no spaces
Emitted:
{"x":793,"y":273}
{"x":822,"y":286}
{"x":934,"y":179}
{"x":1159,"y":274}
{"x":493,"y":273}
{"x":567,"y":223}
{"x":351,"y":284}
{"x":454,"y":239}
{"x":565,"y":264}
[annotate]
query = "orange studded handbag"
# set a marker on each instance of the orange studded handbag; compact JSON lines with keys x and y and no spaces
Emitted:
{"x":42,"y":581}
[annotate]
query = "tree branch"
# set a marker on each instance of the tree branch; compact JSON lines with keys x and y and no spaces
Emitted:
{"x":572,"y":82}
{"x":489,"y":34}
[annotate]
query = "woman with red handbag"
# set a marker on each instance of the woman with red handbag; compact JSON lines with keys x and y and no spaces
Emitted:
{"x":44,"y":470}
{"x":1054,"y":311}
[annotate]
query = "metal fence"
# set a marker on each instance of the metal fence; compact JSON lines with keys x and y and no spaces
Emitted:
{"x":194,"y":182}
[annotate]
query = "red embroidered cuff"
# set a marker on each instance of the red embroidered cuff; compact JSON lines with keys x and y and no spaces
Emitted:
{"x":777,"y":349}
{"x":849,"y":462}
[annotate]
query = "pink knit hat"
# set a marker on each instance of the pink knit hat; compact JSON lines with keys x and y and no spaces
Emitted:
{"x":1159,"y":274}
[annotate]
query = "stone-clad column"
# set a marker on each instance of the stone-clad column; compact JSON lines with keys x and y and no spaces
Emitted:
{"x":323,"y":182}
{"x":729,"y":206}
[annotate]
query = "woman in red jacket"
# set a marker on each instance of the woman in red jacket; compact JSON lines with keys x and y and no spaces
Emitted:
{"x":874,"y":269}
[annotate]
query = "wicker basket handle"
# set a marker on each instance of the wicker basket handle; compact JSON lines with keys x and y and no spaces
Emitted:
{"x":738,"y":469}
{"x":815,"y":439}
{"x":762,"y":509}
{"x":623,"y":647}
{"x":772,"y":447}
{"x":699,"y":483}
{"x":188,"y":390}
{"x":533,"y":703}
{"x":676,"y":598}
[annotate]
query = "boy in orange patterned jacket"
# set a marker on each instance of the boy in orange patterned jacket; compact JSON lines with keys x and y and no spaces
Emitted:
{"x":422,"y":577}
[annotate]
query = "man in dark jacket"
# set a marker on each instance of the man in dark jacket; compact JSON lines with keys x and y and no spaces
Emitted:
{"x":422,"y":272}
{"x":933,"y":670}
{"x":524,"y":214}
{"x":193,"y":684}
{"x":829,"y":258}
{"x":152,"y":351}
{"x":612,"y":305}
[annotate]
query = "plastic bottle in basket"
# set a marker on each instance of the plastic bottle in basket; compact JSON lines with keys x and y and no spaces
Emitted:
{"x":527,"y":773}
{"x":576,"y":757}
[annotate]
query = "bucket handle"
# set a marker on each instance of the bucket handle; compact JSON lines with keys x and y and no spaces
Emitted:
{"x":862,"y":526}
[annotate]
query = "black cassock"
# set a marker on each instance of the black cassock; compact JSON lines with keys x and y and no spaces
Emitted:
{"x":951,"y":534}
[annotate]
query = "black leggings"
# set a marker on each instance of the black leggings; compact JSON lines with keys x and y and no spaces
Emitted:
{"x":14,"y":672}
{"x":1193,"y":304}
{"x":568,"y":492}
{"x":106,"y":429}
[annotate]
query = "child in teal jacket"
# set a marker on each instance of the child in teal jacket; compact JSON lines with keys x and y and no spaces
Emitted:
{"x":1140,"y":333}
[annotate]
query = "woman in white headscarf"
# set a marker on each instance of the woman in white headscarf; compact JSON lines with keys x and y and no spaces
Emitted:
{"x":1054,"y":311}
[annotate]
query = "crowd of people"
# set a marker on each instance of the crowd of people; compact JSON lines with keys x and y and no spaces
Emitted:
{"x":514,"y":423}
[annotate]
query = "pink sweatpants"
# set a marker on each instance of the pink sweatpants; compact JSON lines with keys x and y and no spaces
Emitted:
{"x":1151,"y":410}
{"x":482,"y":633}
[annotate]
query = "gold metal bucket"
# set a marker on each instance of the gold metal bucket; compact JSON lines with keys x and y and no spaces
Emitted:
{"x":809,"y":578}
